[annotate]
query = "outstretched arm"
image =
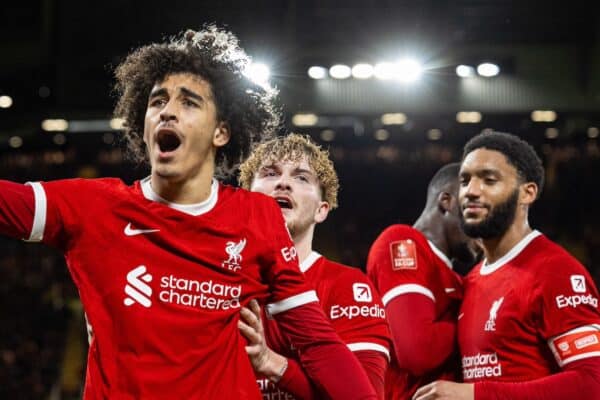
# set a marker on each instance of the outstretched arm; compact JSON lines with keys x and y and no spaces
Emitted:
{"x":17,"y":207}
{"x":578,"y":380}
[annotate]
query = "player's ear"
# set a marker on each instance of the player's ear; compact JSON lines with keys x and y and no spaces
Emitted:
{"x":222,"y":134}
{"x":528,"y":193}
{"x":444,"y":202}
{"x":321,"y":212}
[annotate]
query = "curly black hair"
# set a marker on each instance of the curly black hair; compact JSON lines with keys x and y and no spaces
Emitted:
{"x":214,"y":55}
{"x":518,"y":153}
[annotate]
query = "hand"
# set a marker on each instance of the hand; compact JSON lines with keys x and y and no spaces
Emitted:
{"x":445,"y":390}
{"x":264,"y":360}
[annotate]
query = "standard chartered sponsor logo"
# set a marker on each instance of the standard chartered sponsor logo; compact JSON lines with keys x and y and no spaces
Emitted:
{"x":202,"y":294}
{"x":563,"y":301}
{"x":353,"y":311}
{"x":271,"y":392}
{"x":481,"y":365}
{"x":137,"y":288}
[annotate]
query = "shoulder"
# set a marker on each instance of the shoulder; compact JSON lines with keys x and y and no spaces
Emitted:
{"x":342,"y":272}
{"x":549,"y":258}
{"x":400,"y":232}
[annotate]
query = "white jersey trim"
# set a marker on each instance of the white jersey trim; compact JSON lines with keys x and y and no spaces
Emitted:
{"x":440,"y":254}
{"x":562,"y":363}
{"x":404,"y":289}
{"x":309,"y":261}
{"x":487,"y":269}
{"x":39,"y":216}
{"x":359,"y":346}
{"x":292,"y":302}
{"x":191,"y":209}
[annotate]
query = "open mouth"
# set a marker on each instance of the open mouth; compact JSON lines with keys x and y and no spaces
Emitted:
{"x":284,"y":202}
{"x":167,"y":141}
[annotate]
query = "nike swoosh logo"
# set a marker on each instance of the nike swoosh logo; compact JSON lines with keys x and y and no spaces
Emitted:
{"x":129,"y":231}
{"x":462,"y":314}
{"x":450,"y":289}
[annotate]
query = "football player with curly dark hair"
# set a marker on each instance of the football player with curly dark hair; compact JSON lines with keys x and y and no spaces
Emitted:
{"x":164,"y":266}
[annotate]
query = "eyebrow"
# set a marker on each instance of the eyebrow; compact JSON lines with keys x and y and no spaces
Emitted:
{"x":185,"y":91}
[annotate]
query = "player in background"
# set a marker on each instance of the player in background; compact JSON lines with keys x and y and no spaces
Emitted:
{"x":529,"y":324}
{"x":301,"y":177}
{"x":412,"y":269}
{"x":164,"y":266}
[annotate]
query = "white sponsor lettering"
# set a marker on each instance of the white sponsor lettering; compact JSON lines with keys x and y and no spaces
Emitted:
{"x":563,"y":301}
{"x":270,"y":391}
{"x":353,"y":311}
{"x":289,"y":253}
{"x":202,"y":294}
{"x":586,"y":341}
{"x":484,"y":365}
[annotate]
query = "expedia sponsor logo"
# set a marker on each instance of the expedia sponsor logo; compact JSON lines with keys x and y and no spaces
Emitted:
{"x":484,"y":365}
{"x":200,"y":294}
{"x":353,"y":311}
{"x":563,"y":301}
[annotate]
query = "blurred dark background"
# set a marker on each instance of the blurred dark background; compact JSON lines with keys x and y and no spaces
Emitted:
{"x":386,"y":137}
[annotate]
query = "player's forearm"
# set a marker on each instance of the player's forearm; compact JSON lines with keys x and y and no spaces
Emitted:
{"x":375,"y":364}
{"x":16,"y":209}
{"x":581,"y":380}
{"x":327,"y":361}
{"x":296,"y":382}
{"x":428,"y":343}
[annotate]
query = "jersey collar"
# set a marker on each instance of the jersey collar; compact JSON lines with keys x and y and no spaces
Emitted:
{"x":191,"y":209}
{"x":309,"y":261}
{"x":487,"y":269}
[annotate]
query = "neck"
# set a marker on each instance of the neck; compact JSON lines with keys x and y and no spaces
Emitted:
{"x":183,"y":190}
{"x":303,"y":243}
{"x":495,"y":248}
{"x":433,"y":230}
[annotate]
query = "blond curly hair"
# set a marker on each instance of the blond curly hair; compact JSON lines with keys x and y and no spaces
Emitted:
{"x":292,"y":148}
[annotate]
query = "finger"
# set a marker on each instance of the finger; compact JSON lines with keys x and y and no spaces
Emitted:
{"x":248,"y":315}
{"x":255,"y":308}
{"x":249,"y":333}
{"x":422,"y":392}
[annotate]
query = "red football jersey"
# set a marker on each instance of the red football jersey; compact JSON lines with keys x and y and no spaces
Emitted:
{"x":162,"y":284}
{"x":527,"y":314}
{"x":401,"y":261}
{"x":351,"y":304}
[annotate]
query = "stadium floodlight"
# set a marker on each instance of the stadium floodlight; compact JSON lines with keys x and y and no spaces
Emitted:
{"x":258,"y":73}
{"x":305,"y":119}
{"x":385,"y":70}
{"x":6,"y":101}
{"x":117,"y":123}
{"x":327,"y":135}
{"x":340,"y":71}
{"x":408,"y":70}
{"x":488,"y":69}
{"x":316,"y":72}
{"x":362,"y":71}
{"x":551,"y":133}
{"x":393,"y":119}
{"x":468,"y":117}
{"x":434,"y":134}
{"x":15,"y":142}
{"x":543,"y":116}
{"x":55,"y":125}
{"x":381,"y":135}
{"x":465,"y":71}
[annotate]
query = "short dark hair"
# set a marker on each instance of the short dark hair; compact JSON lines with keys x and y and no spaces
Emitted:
{"x":518,"y":153}
{"x":214,"y":55}
{"x":446,"y":175}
